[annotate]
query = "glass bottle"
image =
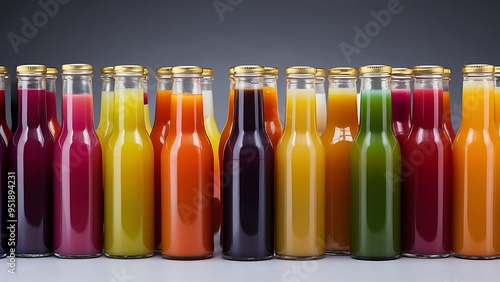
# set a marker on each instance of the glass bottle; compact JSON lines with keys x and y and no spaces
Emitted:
{"x":105,"y":126}
{"x":147,"y":118}
{"x":375,"y":172}
{"x":341,"y":129}
{"x":4,"y":185}
{"x":248,"y":194}
{"x":426,"y":182}
{"x":476,"y":186}
{"x":447,"y":120}
{"x":214,"y":136}
{"x":158,"y":136}
{"x":271,"y":110}
{"x":77,"y":170}
{"x":401,"y":102}
{"x":300,"y":173}
{"x":187,"y":166}
{"x":320,"y":100}
{"x":30,"y":153}
{"x":5,"y":132}
{"x":497,"y":96}
{"x":54,"y":125}
{"x":128,"y":172}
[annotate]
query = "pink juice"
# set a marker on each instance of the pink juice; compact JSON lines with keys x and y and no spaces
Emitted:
{"x":30,"y":154}
{"x":5,"y":132}
{"x":77,"y":181}
{"x":54,"y":126}
{"x":401,"y":109}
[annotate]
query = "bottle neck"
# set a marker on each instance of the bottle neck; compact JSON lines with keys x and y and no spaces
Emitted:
{"x":145,"y":89}
{"x":128,"y":104}
{"x":342,"y":102}
{"x":107,"y":98}
{"x":187,"y":105}
{"x":50,"y":81}
{"x":77,"y":110}
{"x":208,"y":100}
{"x":376,"y":104}
{"x":320,"y":85}
{"x":31,"y":102}
{"x":301,"y":104}
{"x":401,"y":99}
{"x":2,"y":98}
{"x":271,"y":109}
{"x":478,"y":102}
{"x":428,"y":102}
{"x":248,"y":104}
{"x":163,"y":99}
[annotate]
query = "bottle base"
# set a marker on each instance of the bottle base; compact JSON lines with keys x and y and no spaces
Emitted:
{"x":337,"y":253}
{"x":247,"y":258}
{"x":375,"y":258}
{"x":475,"y":257}
{"x":129,"y":256}
{"x":96,"y":255}
{"x":286,"y":257}
{"x":422,"y":256}
{"x":188,"y":258}
{"x":34,"y":255}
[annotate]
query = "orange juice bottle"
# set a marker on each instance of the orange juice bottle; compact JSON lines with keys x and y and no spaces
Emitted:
{"x":341,"y":129}
{"x":476,"y":162}
{"x":300,"y":173}
{"x":128,"y":172}
{"x":320,"y":100}
{"x":271,"y":110}
{"x":214,"y":137}
{"x":187,"y":166}
{"x":158,"y":135}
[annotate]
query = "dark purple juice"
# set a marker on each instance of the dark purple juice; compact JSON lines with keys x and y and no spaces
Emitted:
{"x":30,"y":153}
{"x":248,"y":184}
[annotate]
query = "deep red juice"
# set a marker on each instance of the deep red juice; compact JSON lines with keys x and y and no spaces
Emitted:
{"x":401,"y":111}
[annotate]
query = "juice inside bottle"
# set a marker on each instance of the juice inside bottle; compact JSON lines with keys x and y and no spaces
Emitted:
{"x":341,"y":129}
{"x":476,"y":186}
{"x":448,"y":125}
{"x":105,"y":126}
{"x":54,"y":125}
{"x":187,"y":166}
{"x":271,"y":110}
{"x":128,"y":172}
{"x":401,"y":102}
{"x":300,"y":174}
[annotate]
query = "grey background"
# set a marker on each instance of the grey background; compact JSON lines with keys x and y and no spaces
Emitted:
{"x":281,"y":33}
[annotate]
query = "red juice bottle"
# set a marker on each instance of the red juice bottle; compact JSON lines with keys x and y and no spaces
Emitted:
{"x":30,"y":153}
{"x":54,"y":126}
{"x":5,"y":132}
{"x":158,"y":135}
{"x":426,"y":172}
{"x":77,"y":170}
{"x":401,"y":102}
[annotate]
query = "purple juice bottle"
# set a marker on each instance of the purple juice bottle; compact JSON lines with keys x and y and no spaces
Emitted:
{"x":30,"y":152}
{"x":77,"y":170}
{"x":4,"y":189}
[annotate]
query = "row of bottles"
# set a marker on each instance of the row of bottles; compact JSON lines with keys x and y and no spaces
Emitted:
{"x":388,"y":184}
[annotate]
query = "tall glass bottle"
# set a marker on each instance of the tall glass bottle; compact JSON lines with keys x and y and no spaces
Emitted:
{"x":187,"y":166}
{"x":147,"y":118}
{"x":214,"y":136}
{"x":5,"y":132}
{"x":476,"y":186}
{"x":401,"y":102}
{"x":4,"y":185}
{"x":128,"y":172}
{"x":497,"y":96}
{"x":54,"y":125}
{"x":341,"y":129}
{"x":447,"y":121}
{"x":77,"y":170}
{"x":271,"y":110}
{"x":105,"y":126}
{"x":248,"y":193}
{"x":300,"y":173}
{"x":426,"y":183}
{"x":320,"y":100}
{"x":375,"y":172}
{"x":158,"y":136}
{"x":30,"y":153}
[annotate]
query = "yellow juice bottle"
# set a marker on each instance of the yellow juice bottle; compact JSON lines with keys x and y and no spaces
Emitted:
{"x":300,"y":173}
{"x":105,"y":126}
{"x":128,"y":172}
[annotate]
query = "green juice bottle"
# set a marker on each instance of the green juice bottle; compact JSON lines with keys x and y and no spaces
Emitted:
{"x":375,"y":166}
